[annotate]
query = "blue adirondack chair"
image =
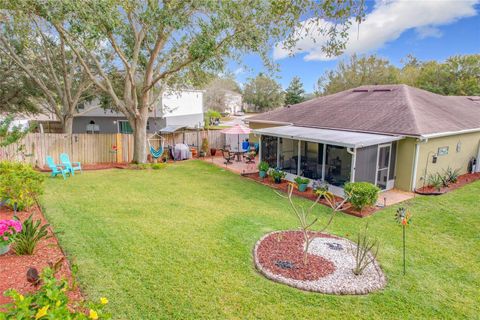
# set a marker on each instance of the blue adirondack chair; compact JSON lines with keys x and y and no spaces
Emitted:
{"x":57,"y":169}
{"x":71,"y":166}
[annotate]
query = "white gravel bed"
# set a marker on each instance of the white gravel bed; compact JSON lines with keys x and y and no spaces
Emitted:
{"x":342,"y":280}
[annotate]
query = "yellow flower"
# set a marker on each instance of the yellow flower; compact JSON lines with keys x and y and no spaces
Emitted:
{"x":93,"y":314}
{"x":103,"y":300}
{"x":58,"y":303}
{"x":21,"y":297}
{"x":42,"y":312}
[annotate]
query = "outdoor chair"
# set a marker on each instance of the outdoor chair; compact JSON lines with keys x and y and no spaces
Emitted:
{"x":57,"y":168}
{"x":249,"y":157}
{"x":228,"y":156}
{"x":70,"y":166}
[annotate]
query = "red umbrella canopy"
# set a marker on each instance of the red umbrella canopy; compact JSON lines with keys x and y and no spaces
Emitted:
{"x":237,"y":129}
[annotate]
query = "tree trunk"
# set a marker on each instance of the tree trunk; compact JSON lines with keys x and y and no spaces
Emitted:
{"x":140,"y":139}
{"x":68,"y":125}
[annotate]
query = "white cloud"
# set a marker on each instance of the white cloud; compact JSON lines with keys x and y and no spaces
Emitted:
{"x":385,"y":23}
{"x":238,"y":71}
{"x":427,"y":32}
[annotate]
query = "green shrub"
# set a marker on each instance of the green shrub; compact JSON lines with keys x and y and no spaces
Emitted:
{"x":158,"y":166}
{"x":32,"y":232}
{"x":435,"y":181}
{"x":451,"y":175}
{"x":50,"y":302}
{"x":277,"y":175}
{"x":20,"y":184}
{"x":263,"y":166}
{"x":362,"y":194}
{"x":301,"y":180}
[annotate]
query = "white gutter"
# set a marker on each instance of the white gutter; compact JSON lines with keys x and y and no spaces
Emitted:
{"x":268,"y":122}
{"x":449,"y":133}
{"x":353,"y":152}
{"x":415,"y":164}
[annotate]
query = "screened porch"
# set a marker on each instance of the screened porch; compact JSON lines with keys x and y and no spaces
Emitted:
{"x":333,"y":156}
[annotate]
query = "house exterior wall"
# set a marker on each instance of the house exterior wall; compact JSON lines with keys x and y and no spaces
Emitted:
{"x":110,"y":124}
{"x":404,"y":164}
{"x":258,"y":125}
{"x":469,"y":144}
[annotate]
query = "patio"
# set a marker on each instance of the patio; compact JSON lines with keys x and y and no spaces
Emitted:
{"x":239,"y":167}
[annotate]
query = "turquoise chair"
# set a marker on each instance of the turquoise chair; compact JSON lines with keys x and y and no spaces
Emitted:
{"x":57,"y":169}
{"x":65,"y":160}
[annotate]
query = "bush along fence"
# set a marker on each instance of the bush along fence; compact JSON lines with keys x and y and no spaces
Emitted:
{"x":94,"y":148}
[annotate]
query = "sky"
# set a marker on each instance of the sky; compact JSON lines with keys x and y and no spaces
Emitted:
{"x":427,"y":29}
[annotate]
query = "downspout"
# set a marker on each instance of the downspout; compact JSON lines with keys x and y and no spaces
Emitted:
{"x":415,"y":164}
{"x":353,"y":152}
{"x":260,"y":148}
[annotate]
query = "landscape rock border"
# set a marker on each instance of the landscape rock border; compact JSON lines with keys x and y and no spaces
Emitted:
{"x":376,"y":279}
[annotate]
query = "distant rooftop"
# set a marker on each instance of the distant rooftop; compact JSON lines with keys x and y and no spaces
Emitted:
{"x":386,"y":109}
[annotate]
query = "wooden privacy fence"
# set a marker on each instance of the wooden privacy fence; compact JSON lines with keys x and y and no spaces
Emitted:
{"x":94,"y":148}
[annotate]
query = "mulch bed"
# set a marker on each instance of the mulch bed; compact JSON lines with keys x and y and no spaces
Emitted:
{"x":282,"y":254}
{"x":95,"y":166}
{"x":13,"y":268}
{"x":308,"y":194}
{"x":462,"y":180}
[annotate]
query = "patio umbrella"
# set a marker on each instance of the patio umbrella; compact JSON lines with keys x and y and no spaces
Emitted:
{"x":238,"y":130}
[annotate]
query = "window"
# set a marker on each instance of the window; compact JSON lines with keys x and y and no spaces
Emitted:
{"x":124,"y":127}
{"x":312,"y":160}
{"x":338,"y":165}
{"x":289,"y":155}
{"x":269,"y":150}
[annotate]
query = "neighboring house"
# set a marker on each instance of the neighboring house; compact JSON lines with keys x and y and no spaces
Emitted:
{"x":181,"y":109}
{"x":389,"y":135}
{"x":233,"y":102}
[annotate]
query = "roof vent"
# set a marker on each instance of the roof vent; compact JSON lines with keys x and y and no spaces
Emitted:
{"x":382,"y":90}
{"x":360,"y":90}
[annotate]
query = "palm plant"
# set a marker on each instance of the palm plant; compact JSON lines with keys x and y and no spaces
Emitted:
{"x":31,"y":234}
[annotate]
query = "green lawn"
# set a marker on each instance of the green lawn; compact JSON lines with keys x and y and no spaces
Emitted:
{"x":177,"y":243}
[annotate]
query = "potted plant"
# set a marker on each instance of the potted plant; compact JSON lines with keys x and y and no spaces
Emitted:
{"x":213,"y":152}
{"x":319,"y":187}
{"x":204,"y":148}
{"x":8,"y":230}
{"x":302,"y":183}
{"x":277,"y":175}
{"x":263,"y":169}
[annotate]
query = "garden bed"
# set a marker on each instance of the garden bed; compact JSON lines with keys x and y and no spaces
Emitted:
{"x":13,"y":268}
{"x":95,"y":166}
{"x":279,"y":257}
{"x":462,"y":180}
{"x":308,"y":194}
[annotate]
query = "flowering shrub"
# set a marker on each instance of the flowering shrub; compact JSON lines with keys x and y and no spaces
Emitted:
{"x":8,"y":231}
{"x":19,"y":184}
{"x":50,"y":302}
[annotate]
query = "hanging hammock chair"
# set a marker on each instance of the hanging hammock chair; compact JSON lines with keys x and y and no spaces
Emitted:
{"x":154,"y":152}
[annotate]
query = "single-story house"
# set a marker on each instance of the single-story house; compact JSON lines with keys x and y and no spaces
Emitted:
{"x":177,"y":109}
{"x":393,"y":136}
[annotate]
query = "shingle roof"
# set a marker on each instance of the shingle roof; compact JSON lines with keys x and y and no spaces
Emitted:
{"x":388,"y":109}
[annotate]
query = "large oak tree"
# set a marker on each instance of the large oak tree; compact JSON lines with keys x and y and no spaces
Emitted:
{"x":160,"y":45}
{"x":51,"y":75}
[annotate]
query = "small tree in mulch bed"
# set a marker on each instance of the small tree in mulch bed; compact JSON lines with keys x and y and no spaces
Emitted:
{"x":306,"y":219}
{"x":404,"y":218}
{"x":362,"y":251}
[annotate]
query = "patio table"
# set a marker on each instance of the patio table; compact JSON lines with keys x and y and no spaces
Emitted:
{"x":239,"y":155}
